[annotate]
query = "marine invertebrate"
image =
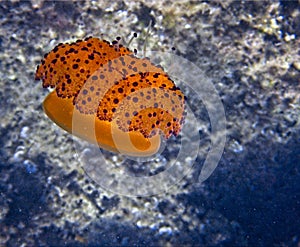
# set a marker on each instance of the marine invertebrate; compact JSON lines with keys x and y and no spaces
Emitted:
{"x":112,"y":94}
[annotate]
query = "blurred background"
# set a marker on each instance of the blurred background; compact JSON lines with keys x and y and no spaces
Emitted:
{"x":250,"y":50}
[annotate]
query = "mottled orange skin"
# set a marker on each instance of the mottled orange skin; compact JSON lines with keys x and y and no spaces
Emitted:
{"x":106,"y":87}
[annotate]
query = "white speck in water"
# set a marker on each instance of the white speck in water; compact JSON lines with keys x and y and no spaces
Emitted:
{"x":24,"y":132}
{"x":19,"y":154}
{"x":165,"y":230}
{"x":236,"y":147}
{"x":187,"y":26}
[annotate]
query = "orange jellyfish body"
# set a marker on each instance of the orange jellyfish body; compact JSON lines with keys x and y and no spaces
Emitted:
{"x":107,"y":96}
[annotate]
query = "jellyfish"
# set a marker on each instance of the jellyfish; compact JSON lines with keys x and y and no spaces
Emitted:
{"x":106,"y":95}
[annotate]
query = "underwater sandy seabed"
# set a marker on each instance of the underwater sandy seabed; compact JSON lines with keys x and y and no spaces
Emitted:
{"x":249,"y":50}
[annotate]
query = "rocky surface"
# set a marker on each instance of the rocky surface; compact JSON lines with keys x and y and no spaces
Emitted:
{"x":249,"y":50}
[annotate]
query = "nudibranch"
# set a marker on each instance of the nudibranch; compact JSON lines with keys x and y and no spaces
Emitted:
{"x":106,"y":95}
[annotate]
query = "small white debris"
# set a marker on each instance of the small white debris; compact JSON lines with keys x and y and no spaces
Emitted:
{"x":236,"y":147}
{"x":24,"y":132}
{"x":165,"y":230}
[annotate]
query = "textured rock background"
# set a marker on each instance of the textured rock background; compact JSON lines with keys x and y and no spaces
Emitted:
{"x":250,"y":50}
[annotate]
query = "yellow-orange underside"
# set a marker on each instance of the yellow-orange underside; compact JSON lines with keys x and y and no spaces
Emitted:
{"x":90,"y":128}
